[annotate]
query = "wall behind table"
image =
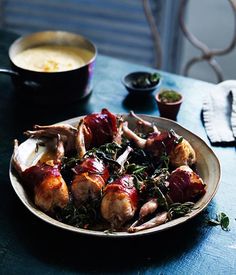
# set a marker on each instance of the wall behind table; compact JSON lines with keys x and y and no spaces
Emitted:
{"x":118,"y":27}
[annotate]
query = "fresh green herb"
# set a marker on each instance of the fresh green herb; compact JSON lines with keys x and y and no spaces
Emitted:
{"x":161,"y":172}
{"x":157,"y":189}
{"x":68,"y":163}
{"x":83,"y":216}
{"x":107,"y":152}
{"x":221,"y":219}
{"x":165,"y":160}
{"x":110,"y":148}
{"x":136,"y":169}
{"x":155,"y":77}
{"x":162,"y":201}
{"x":179,"y":209}
{"x":139,"y":183}
{"x":139,"y":173}
{"x":169,"y":96}
{"x":140,"y":157}
{"x":146,"y":81}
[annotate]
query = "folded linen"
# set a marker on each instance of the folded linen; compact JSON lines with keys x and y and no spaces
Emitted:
{"x":233,"y":114}
{"x":219,"y":113}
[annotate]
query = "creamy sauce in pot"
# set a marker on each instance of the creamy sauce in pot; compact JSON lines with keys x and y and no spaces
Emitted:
{"x":53,"y":58}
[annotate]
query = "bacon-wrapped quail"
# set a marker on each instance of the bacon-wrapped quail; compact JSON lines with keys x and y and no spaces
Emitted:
{"x":93,"y":130}
{"x":99,"y":128}
{"x":45,"y":183}
{"x":185,"y":185}
{"x":49,"y":188}
{"x":120,"y":201}
{"x":178,"y":149}
{"x":90,"y":177}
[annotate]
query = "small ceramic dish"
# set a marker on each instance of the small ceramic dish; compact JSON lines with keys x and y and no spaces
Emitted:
{"x":168,"y":105}
{"x":130,"y":83}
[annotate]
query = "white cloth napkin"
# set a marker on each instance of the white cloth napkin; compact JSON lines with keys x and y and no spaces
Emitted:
{"x":219,"y":113}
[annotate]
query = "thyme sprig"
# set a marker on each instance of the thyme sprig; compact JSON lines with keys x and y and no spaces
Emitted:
{"x":83,"y":216}
{"x":177,"y":210}
{"x":161,"y":198}
{"x":139,"y":172}
{"x":136,"y":169}
{"x":164,"y":159}
{"x":108,"y":151}
{"x":156,"y":188}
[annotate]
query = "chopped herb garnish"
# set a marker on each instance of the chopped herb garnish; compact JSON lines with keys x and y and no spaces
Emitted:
{"x":169,"y":96}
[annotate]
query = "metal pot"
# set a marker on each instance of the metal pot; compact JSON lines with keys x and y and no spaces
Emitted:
{"x":52,"y":87}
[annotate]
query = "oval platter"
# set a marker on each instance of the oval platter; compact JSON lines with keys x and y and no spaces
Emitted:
{"x":208,"y":167}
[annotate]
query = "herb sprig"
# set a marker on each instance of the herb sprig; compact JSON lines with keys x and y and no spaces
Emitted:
{"x":83,"y":216}
{"x":179,"y":209}
{"x":221,"y":219}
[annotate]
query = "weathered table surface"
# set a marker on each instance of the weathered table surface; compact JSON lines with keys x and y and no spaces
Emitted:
{"x":30,"y":246}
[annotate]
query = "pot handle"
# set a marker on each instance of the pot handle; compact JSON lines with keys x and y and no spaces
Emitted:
{"x":29,"y":83}
{"x":9,"y":72}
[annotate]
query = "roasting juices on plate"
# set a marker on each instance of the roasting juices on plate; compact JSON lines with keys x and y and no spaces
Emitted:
{"x":105,"y":176}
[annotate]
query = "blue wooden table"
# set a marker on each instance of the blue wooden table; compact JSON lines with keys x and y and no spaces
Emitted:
{"x":30,"y":246}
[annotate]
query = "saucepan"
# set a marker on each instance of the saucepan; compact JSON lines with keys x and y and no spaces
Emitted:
{"x":52,"y":82}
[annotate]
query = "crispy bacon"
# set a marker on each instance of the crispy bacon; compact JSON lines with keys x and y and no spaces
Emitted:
{"x":90,"y":177}
{"x":100,"y":128}
{"x":92,"y":166}
{"x":157,"y":143}
{"x":34,"y":175}
{"x":47,"y":185}
{"x":92,"y":131}
{"x":185,"y":185}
